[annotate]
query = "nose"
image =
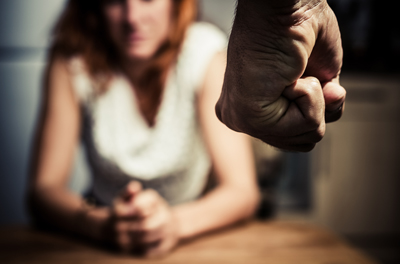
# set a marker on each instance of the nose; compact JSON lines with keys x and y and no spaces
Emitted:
{"x":132,"y":11}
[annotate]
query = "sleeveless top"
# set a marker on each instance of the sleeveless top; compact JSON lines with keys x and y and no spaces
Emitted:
{"x":169,"y":157}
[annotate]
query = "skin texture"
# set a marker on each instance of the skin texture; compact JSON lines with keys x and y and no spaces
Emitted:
{"x":139,"y":221}
{"x":282,"y":77}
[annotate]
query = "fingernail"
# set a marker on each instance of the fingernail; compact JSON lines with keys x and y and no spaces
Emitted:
{"x":334,"y":107}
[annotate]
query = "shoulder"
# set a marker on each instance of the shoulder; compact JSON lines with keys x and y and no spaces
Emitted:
{"x":202,"y":35}
{"x":204,"y":29}
{"x":78,"y":77}
{"x":76,"y":65}
{"x":58,"y":73}
{"x":203,"y":41}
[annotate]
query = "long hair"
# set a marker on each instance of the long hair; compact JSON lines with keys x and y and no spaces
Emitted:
{"x":80,"y":31}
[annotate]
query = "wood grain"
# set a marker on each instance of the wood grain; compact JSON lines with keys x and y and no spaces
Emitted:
{"x":274,"y":242}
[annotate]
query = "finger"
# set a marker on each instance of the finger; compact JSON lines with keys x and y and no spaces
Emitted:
{"x":307,"y":95}
{"x":129,"y":236}
{"x":160,"y":249}
{"x":332,"y":116}
{"x":306,"y":110}
{"x":334,"y":95}
{"x":146,"y":203}
{"x":273,"y":112}
{"x":152,"y":229}
{"x":123,"y":241}
{"x":131,"y":189}
{"x":122,"y":205}
{"x":155,"y":250}
{"x":302,"y":143}
{"x":122,"y":209}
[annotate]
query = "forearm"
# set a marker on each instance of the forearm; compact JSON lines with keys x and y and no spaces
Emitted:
{"x":223,"y":206}
{"x":63,"y":209}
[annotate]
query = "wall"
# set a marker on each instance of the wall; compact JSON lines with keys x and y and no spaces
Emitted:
{"x":24,"y":27}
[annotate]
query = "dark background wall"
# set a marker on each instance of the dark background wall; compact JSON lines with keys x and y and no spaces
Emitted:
{"x":24,"y":27}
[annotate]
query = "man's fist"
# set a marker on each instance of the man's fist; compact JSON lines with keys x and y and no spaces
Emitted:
{"x":281,"y":81}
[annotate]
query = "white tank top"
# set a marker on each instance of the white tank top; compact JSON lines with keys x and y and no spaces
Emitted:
{"x":169,"y":157}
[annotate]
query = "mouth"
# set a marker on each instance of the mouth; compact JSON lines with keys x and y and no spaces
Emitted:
{"x":134,"y":38}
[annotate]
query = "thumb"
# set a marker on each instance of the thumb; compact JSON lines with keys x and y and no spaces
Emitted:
{"x":334,"y":96}
{"x":131,"y":190}
{"x":123,"y":204}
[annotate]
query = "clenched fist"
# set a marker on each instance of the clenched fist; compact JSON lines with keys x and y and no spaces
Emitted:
{"x":282,"y":77}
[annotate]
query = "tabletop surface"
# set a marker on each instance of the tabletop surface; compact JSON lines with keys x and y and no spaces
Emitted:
{"x":274,"y":242}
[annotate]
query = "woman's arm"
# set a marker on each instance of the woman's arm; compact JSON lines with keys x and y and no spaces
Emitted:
{"x":236,"y":197}
{"x":49,"y":199}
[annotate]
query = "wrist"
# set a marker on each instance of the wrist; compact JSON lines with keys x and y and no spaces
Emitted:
{"x":184,"y":227}
{"x":95,"y":223}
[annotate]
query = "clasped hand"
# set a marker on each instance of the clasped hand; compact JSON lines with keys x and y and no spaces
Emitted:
{"x":143,"y":222}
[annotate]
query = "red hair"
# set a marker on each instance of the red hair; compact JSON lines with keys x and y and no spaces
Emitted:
{"x":80,"y":31}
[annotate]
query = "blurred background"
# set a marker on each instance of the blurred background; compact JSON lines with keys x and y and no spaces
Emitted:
{"x":350,"y":183}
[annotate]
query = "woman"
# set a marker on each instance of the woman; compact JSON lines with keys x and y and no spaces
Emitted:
{"x":138,"y":81}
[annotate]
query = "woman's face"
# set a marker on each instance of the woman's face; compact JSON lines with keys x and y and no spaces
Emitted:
{"x":138,"y":27}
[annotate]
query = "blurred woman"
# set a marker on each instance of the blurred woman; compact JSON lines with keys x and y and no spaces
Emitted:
{"x":137,"y":81}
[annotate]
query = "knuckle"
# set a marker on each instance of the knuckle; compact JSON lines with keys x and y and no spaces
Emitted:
{"x":123,"y":241}
{"x":313,"y":123}
{"x":150,"y":238}
{"x":314,"y":83}
{"x":344,"y":94}
{"x":118,"y":210}
{"x":152,"y":198}
{"x":141,"y":211}
{"x":147,"y":226}
{"x":319,"y":133}
{"x":313,"y":88}
{"x":146,"y":200}
{"x":115,"y":203}
{"x":152,"y":193}
{"x":120,"y":228}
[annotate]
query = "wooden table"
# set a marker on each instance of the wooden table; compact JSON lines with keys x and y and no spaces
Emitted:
{"x":274,"y":242}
